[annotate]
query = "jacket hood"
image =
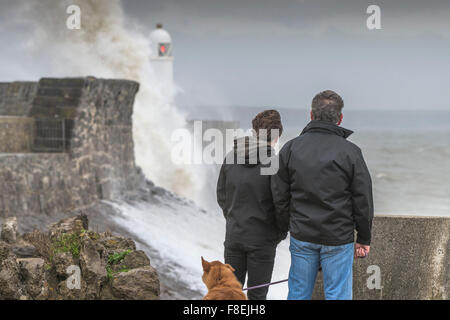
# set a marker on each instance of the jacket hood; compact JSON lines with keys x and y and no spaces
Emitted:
{"x":326,"y":126}
{"x":247,"y":151}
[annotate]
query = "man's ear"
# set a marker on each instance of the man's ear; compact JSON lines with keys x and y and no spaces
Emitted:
{"x":230,"y":267}
{"x":340,"y":119}
{"x":206,"y":265}
{"x":312,"y":116}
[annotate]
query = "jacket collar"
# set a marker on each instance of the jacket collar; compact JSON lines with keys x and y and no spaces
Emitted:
{"x":326,"y":126}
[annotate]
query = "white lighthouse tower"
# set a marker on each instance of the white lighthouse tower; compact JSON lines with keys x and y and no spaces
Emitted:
{"x":161,"y":56}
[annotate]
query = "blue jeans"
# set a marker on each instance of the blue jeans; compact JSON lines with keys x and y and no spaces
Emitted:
{"x":336,"y":262}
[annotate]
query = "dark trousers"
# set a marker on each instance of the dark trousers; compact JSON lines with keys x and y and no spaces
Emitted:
{"x":257,"y":261}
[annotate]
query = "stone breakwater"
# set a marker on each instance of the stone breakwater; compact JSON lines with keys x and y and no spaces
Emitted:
{"x":44,"y":265}
{"x":98,"y":163}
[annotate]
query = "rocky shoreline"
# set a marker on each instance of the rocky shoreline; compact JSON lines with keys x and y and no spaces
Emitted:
{"x":69,"y":261}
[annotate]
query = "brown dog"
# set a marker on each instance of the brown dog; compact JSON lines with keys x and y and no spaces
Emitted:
{"x":221,"y":282}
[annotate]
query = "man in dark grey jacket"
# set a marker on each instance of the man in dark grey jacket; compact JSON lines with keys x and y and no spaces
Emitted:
{"x":323,"y":192}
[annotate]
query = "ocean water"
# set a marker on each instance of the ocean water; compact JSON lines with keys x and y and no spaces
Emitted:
{"x":410,"y":170}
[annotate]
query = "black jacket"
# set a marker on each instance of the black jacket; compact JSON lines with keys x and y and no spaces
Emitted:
{"x":323,"y":189}
{"x":245,"y":196}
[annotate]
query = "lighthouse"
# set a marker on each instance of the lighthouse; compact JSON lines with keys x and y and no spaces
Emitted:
{"x":161,"y":55}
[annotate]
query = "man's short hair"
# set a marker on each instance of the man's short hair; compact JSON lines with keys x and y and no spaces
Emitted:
{"x":268,"y":120}
{"x":327,"y":106}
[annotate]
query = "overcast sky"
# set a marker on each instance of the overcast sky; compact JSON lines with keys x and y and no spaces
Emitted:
{"x":281,"y":53}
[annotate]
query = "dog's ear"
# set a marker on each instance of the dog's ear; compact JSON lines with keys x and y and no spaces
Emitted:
{"x":230,"y":267}
{"x":206,"y":265}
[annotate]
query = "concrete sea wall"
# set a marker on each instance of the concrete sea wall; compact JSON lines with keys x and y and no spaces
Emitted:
{"x":409,"y":259}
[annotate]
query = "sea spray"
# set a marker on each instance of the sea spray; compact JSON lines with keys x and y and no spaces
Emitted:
{"x":182,"y":234}
{"x":108,"y":45}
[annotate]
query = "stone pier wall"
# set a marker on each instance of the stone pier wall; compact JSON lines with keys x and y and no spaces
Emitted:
{"x":100,"y":161}
{"x":16,"y":97}
{"x":16,"y":134}
{"x":41,"y":184}
{"x":102,"y":139}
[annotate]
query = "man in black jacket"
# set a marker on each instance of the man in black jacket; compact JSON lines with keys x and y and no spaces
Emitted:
{"x":322,"y":192}
{"x":244,"y":194}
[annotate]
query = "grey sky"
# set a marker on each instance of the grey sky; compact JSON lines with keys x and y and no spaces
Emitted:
{"x":280,"y":53}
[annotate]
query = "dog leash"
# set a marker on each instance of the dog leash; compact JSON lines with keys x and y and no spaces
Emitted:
{"x":269,"y":284}
{"x":265,"y":285}
{"x":277,"y":282}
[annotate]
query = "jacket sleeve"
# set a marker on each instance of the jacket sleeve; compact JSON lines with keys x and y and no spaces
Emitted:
{"x":362,"y":200}
{"x":221,"y":189}
{"x":281,"y":192}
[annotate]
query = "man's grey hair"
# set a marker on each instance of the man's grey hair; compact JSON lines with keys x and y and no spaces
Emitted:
{"x":327,"y":106}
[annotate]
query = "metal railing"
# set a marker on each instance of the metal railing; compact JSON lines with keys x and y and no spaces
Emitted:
{"x":52,"y":135}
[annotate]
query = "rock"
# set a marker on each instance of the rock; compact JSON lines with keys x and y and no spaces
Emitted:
{"x":32,"y":271}
{"x":114,"y":244}
{"x":10,"y":285}
{"x":136,"y":259}
{"x":5,"y":250}
{"x":40,"y":241}
{"x":159,"y":191}
{"x":61,"y":261}
{"x":132,"y":260}
{"x":106,"y":293}
{"x":24,"y":249}
{"x":136,"y":284}
{"x":9,"y":230}
{"x":69,"y":225}
{"x":91,"y":262}
{"x":67,"y":293}
{"x":93,"y":268}
{"x":34,"y":267}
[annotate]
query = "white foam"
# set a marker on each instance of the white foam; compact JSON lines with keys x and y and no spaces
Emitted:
{"x":182,"y":234}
